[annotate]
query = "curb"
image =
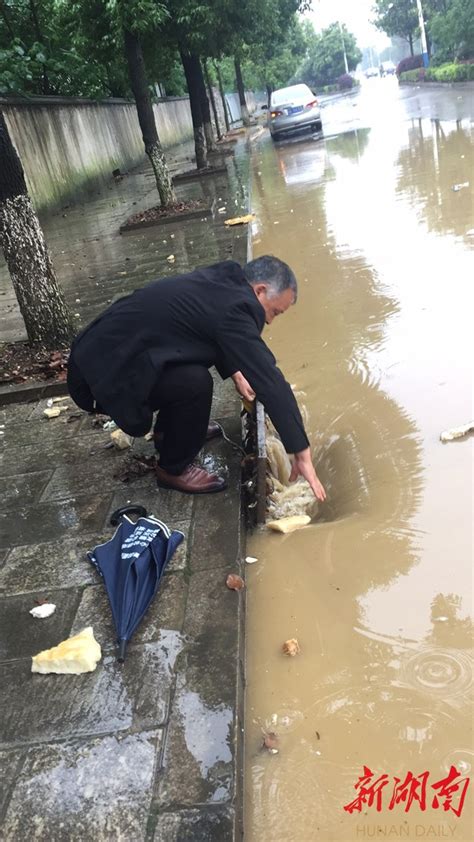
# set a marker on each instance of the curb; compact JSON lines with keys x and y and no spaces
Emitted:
{"x":25,"y":392}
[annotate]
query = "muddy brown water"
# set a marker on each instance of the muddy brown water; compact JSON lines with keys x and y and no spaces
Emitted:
{"x":378,"y":590}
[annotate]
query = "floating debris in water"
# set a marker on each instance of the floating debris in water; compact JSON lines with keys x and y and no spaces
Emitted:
{"x":457,"y":187}
{"x":250,"y":559}
{"x":291,"y":647}
{"x":457,"y":432}
{"x":271,"y":742}
{"x":171,"y":258}
{"x":235,"y":582}
{"x":289,"y":524}
{"x":240,"y":220}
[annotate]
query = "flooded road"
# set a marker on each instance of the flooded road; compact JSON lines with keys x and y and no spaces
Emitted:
{"x":377,"y":591}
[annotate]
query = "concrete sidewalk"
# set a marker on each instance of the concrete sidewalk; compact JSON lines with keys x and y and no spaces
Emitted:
{"x":150,"y":749}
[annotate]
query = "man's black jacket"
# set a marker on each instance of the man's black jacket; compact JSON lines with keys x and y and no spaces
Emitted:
{"x":211,"y":317}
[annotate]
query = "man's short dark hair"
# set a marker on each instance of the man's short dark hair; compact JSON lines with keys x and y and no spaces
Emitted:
{"x":272,"y":271}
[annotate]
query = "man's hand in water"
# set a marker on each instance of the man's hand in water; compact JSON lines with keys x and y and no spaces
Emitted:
{"x":243,"y":386}
{"x":303,"y":466}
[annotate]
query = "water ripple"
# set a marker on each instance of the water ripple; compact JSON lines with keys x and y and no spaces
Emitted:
{"x":443,"y":672}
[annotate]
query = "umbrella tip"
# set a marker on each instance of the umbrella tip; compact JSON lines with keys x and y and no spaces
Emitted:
{"x":121,"y":651}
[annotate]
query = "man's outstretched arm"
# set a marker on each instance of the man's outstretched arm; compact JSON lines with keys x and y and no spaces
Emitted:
{"x":255,"y":366}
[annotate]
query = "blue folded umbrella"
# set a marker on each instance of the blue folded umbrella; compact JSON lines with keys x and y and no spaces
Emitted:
{"x":132,"y":564}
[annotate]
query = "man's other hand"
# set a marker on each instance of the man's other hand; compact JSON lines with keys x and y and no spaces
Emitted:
{"x":303,"y":466}
{"x":243,"y":386}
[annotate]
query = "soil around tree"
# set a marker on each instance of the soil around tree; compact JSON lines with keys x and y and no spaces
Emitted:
{"x":21,"y":362}
{"x":170,"y":213}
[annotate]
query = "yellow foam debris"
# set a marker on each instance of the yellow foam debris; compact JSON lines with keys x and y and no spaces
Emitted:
{"x":73,"y":656}
{"x":289,"y":524}
{"x":240,"y":220}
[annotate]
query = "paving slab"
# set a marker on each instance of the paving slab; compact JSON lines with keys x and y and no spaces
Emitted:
{"x":99,"y":789}
{"x":203,"y":825}
{"x":90,"y":477}
{"x":22,"y":636}
{"x":22,"y":489}
{"x":40,"y":430}
{"x":114,"y":698}
{"x":170,"y":506}
{"x":198,"y":761}
{"x":74,"y":450}
{"x":37,"y":523}
{"x":51,"y":564}
{"x":11,"y":763}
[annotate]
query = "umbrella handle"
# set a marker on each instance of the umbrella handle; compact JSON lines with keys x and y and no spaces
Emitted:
{"x":116,"y":516}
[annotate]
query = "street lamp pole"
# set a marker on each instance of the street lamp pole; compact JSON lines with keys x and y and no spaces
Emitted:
{"x":343,"y":48}
{"x":424,"y":43}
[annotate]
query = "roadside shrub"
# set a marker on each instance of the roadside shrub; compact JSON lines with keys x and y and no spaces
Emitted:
{"x":417,"y":75}
{"x":409,"y":63}
{"x":345,"y":82}
{"x":451,"y":73}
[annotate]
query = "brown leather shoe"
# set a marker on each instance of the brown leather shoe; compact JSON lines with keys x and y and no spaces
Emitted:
{"x":193,"y":480}
{"x":213,"y":430}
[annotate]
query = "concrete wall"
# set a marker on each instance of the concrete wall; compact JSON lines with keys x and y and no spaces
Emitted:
{"x":254,"y":100}
{"x":65,"y":144}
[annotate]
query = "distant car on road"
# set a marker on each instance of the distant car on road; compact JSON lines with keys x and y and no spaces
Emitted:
{"x":387,"y":68}
{"x":371,"y":71}
{"x":292,"y":109}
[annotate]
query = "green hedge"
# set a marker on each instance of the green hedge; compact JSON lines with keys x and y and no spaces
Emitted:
{"x":444,"y":73}
{"x":450,"y":73}
{"x":416,"y":75}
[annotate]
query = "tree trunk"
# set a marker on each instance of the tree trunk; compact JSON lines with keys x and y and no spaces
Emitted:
{"x":41,"y":300}
{"x":205,"y":109}
{"x":212,"y":99}
{"x":192,"y":80}
{"x":269,"y":93}
{"x":146,"y":118}
{"x":221,"y":91}
{"x":240,"y":87}
{"x":410,"y":41}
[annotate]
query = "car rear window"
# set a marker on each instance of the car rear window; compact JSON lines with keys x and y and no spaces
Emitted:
{"x":296,"y":93}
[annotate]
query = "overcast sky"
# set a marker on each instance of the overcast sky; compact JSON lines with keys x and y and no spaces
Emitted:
{"x":356,"y":14}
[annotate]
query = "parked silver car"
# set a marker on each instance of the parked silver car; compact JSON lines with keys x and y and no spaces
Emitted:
{"x":292,"y":109}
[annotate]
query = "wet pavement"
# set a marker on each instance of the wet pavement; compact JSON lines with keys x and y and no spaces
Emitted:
{"x":378,"y":589}
{"x":149,"y":750}
{"x":95,"y":263}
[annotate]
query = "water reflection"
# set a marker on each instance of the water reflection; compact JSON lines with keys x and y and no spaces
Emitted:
{"x":437,"y":158}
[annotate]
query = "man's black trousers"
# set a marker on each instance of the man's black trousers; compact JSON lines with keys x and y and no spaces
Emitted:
{"x":182,"y":395}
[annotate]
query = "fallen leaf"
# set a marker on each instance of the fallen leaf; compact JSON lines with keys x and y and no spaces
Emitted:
{"x":291,"y":647}
{"x":234,"y":582}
